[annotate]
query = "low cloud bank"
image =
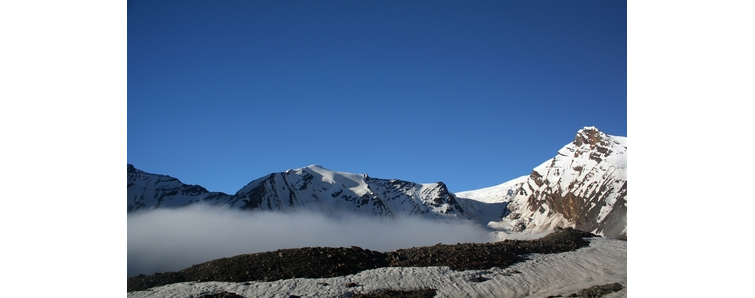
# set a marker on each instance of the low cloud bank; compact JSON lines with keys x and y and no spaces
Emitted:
{"x":173,"y":239}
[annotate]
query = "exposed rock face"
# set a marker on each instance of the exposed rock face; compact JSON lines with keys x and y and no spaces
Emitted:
{"x":310,"y":188}
{"x":584,"y":186}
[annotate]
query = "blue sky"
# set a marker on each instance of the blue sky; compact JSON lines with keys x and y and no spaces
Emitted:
{"x":471,"y":93}
{"x":68,"y":123}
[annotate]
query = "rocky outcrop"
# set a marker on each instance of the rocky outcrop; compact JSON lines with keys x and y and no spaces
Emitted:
{"x":584,"y":186}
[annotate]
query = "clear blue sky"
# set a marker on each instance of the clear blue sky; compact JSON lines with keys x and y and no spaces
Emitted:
{"x":471,"y":93}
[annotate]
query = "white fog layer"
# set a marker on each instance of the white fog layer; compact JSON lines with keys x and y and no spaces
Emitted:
{"x":173,"y":239}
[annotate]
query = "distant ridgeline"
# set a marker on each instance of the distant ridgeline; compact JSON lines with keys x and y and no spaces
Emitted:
{"x":584,"y":186}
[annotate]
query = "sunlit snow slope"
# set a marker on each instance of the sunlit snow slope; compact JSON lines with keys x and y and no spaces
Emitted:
{"x":309,"y":188}
{"x":584,"y":186}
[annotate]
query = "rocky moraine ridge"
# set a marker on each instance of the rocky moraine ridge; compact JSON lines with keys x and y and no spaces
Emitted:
{"x":319,"y":262}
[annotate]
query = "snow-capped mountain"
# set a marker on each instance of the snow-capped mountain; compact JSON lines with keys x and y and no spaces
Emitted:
{"x":584,"y":186}
{"x":147,"y":191}
{"x":311,"y":188}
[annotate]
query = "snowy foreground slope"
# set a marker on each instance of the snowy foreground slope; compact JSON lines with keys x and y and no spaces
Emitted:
{"x":604,"y":261}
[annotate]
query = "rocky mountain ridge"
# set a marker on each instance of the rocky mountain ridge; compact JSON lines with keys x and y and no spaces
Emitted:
{"x":584,"y":186}
{"x":147,"y":191}
{"x":312,"y":188}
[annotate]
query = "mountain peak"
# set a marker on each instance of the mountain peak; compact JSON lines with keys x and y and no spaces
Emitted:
{"x":315,"y":167}
{"x":589,"y":135}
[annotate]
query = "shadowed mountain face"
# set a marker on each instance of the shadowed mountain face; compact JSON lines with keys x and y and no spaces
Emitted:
{"x":584,"y":186}
{"x":148,"y":191}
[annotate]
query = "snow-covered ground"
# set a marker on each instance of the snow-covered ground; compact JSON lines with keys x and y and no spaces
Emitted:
{"x":603,"y":262}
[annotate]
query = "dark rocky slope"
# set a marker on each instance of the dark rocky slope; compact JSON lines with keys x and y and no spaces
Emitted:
{"x":320,"y":262}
